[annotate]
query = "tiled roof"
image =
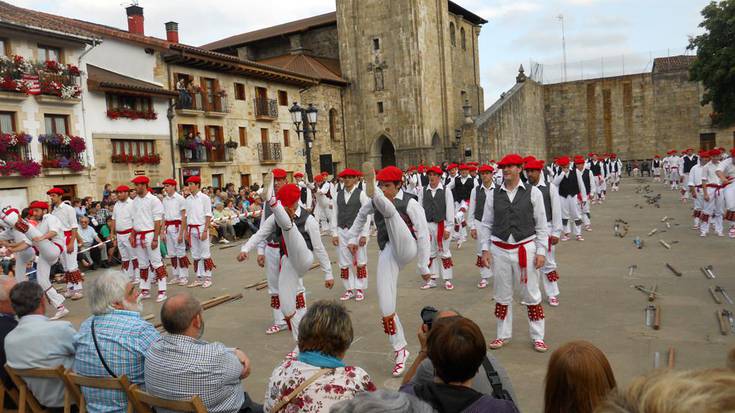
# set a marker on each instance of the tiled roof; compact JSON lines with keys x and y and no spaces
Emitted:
{"x":324,"y":69}
{"x":672,"y":63}
{"x":35,"y":20}
{"x":103,"y":79}
{"x":273,"y":31}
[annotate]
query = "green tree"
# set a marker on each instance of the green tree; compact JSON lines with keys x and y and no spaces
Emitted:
{"x":715,"y":63}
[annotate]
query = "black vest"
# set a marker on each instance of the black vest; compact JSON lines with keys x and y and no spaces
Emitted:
{"x":586,"y":176}
{"x":689,"y":163}
{"x":479,"y":202}
{"x":513,"y":218}
{"x":424,"y":179}
{"x":461,"y":190}
{"x":596,"y":168}
{"x":435,"y":207}
{"x":402,"y":207}
{"x":347,"y":212}
{"x":303,"y":195}
{"x":656,"y":164}
{"x":615,"y":166}
{"x":547,"y":200}
{"x":569,"y":185}
{"x":300,"y":222}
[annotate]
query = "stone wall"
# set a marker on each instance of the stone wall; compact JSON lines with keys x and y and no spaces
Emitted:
{"x":330,"y":139}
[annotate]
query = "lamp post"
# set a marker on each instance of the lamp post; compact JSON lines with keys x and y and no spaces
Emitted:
{"x":308,"y":118}
{"x":170,"y":117}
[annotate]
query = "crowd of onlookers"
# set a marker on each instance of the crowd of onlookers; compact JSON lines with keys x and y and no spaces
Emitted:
{"x":235,"y":214}
{"x":453,"y":371}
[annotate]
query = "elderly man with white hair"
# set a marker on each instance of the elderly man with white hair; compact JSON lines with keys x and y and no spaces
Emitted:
{"x":114,"y":340}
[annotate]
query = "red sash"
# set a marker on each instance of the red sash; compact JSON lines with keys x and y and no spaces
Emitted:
{"x":522,"y":259}
{"x":141,"y":236}
{"x":440,"y":234}
{"x":67,"y":236}
{"x":124,"y":232}
{"x":176,"y":222}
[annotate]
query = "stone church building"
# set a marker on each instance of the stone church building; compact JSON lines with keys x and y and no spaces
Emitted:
{"x":399,"y":78}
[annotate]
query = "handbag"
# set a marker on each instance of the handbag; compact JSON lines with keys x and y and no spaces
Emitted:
{"x":288,"y":398}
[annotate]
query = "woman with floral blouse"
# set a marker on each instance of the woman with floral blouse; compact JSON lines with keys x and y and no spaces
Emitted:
{"x":318,"y":377}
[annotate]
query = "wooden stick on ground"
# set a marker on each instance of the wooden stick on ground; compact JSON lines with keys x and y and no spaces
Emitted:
{"x":714,"y":295}
{"x":724,"y":324}
{"x":262,"y":286}
{"x":657,"y":318}
{"x":247,"y":287}
{"x":149,"y":317}
{"x":677,"y":273}
{"x":672,"y":356}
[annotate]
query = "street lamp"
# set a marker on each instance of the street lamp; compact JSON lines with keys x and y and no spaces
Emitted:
{"x":309,"y":118}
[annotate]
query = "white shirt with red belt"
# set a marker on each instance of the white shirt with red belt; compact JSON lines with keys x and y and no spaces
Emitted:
{"x":67,"y":215}
{"x":122,"y":213}
{"x":51,"y":223}
{"x":172,"y":207}
{"x":146,"y":211}
{"x":198,"y":208}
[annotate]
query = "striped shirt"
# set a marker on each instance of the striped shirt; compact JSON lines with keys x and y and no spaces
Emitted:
{"x":123,"y":338}
{"x":178,"y":367}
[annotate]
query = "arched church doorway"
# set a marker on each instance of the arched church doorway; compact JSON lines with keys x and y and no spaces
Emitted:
{"x":387,"y":152}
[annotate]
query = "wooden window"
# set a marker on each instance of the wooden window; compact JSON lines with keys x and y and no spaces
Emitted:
{"x":462,"y":39}
{"x":187,"y":131}
{"x":282,"y":98}
{"x":243,"y":135}
{"x":4,"y":47}
{"x":707,"y":141}
{"x":7,"y":122}
{"x":214,"y":134}
{"x":217,"y":180}
{"x":133,"y":147}
{"x":452,"y":34}
{"x":57,"y":124}
{"x":376,"y":44}
{"x":264,"y":136}
{"x":209,"y":89}
{"x":46,"y":53}
{"x":286,"y":138}
{"x":245,"y":181}
{"x":333,"y":124}
{"x":137,"y":103}
{"x":380,"y":107}
{"x":239,"y":91}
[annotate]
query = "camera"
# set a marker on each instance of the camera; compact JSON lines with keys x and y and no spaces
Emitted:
{"x":428,"y":314}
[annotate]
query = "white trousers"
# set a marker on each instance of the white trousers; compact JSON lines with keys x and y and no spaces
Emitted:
{"x":400,"y":249}
{"x":483,"y":232}
{"x":350,"y":265}
{"x":507,"y":277}
{"x":441,"y":260}
{"x":150,"y":262}
{"x":272,"y":268}
{"x":571,"y":214}
{"x":551,"y":288}
{"x":728,"y":194}
{"x":69,"y":262}
{"x":200,"y":252}
{"x":22,"y":258}
{"x":460,"y":221}
{"x":713,"y":210}
{"x":601,"y":185}
{"x":615,"y":179}
{"x":48,"y":255}
{"x":176,"y":251}
{"x":674,"y":177}
{"x":128,"y":257}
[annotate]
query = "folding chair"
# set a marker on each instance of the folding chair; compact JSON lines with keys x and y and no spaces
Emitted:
{"x":13,"y":393}
{"x":147,"y":403}
{"x":75,"y":382}
{"x":26,"y":398}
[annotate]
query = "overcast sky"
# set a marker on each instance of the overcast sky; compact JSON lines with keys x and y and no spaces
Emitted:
{"x":603,"y":37}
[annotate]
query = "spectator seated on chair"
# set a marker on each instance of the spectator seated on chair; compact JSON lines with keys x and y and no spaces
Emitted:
{"x":7,"y":324}
{"x":122,"y":339}
{"x":37,"y":342}
{"x":180,"y":365}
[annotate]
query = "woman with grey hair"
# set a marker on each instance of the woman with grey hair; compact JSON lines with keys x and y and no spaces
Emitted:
{"x":318,"y":378}
{"x":382,"y":401}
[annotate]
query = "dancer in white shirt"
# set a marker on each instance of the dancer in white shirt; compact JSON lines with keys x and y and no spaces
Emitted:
{"x":174,"y":231}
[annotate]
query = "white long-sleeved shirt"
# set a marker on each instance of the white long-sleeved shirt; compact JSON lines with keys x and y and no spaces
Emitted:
{"x":448,"y":200}
{"x":306,"y":205}
{"x":541,"y":237}
{"x":173,"y":206}
{"x":709,"y":174}
{"x":420,"y":227}
{"x":122,"y":214}
{"x":472,"y":223}
{"x":67,"y":215}
{"x":198,"y":208}
{"x":50,"y":223}
{"x":335,"y":211}
{"x":311,"y":226}
{"x":726,"y":166}
{"x":695,"y":176}
{"x":146,"y":211}
{"x":580,"y":182}
{"x":556,"y":221}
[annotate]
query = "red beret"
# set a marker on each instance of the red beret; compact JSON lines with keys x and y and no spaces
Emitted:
{"x":451,"y":166}
{"x":389,"y":174}
{"x":534,"y":164}
{"x":421,"y":169}
{"x":486,"y":168}
{"x":169,"y":181}
{"x":529,"y":158}
{"x":732,"y":151}
{"x":434,"y":169}
{"x":715,"y":152}
{"x":591,"y":154}
{"x":349,"y":172}
{"x":563,"y":161}
{"x":472,"y":168}
{"x":298,"y":175}
{"x":57,"y":191}
{"x":122,"y":188}
{"x":140,"y":180}
{"x":512,"y":159}
{"x":475,"y":163}
{"x":279,"y":173}
{"x":288,"y":194}
{"x":612,"y":155}
{"x":319,"y":178}
{"x":464,"y":167}
{"x":194,"y":180}
{"x":39,"y":205}
{"x":657,"y":156}
{"x":578,"y":159}
{"x":702,"y":153}
{"x":324,"y":173}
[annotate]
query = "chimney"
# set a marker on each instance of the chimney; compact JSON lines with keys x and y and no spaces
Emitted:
{"x":172,"y":32}
{"x":135,"y":19}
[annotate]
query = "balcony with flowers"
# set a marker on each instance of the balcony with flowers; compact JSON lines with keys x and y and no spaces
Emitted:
{"x":62,"y":152}
{"x":49,"y":81}
{"x":15,"y":156}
